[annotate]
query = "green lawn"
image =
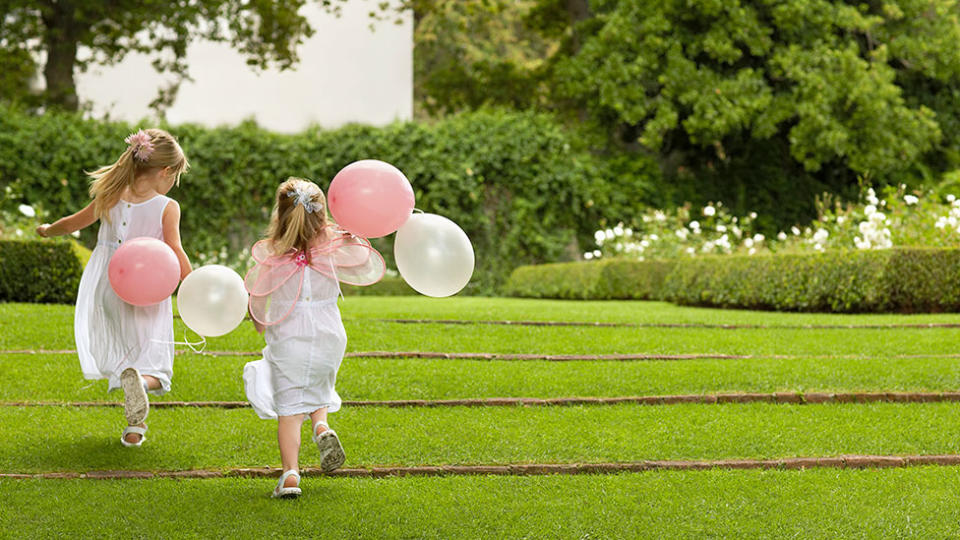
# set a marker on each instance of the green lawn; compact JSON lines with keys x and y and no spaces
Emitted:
{"x":828,"y":503}
{"x":57,"y":377}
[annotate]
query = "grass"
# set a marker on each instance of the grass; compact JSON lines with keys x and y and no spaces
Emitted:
{"x":56,"y":333}
{"x":80,"y":439}
{"x":740,"y":504}
{"x":56,"y":377}
{"x":725,"y":503}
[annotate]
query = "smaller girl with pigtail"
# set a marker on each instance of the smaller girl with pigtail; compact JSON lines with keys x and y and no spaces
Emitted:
{"x":293,"y":289}
{"x":130,"y":346}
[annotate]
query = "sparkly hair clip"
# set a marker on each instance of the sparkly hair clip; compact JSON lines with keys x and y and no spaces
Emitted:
{"x":142,"y":145}
{"x":303,"y":194}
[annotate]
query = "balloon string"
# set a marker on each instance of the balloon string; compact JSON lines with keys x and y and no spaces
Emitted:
{"x":193,"y":346}
{"x":418,"y":210}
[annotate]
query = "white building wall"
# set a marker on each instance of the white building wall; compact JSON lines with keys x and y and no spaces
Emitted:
{"x":347,"y":73}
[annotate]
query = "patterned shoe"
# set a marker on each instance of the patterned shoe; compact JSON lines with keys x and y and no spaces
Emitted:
{"x":135,"y":402}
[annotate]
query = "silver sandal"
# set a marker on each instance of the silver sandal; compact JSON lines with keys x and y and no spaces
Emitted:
{"x":331,"y":451}
{"x":281,"y":492}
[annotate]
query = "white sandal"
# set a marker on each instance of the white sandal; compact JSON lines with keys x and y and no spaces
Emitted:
{"x":331,"y":451}
{"x":135,"y":402}
{"x":133,"y":429}
{"x":281,"y":492}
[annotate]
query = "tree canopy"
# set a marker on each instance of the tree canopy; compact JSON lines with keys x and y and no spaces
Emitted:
{"x":74,"y":34}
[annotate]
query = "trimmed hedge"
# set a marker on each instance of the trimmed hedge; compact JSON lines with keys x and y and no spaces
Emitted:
{"x":39,"y":271}
{"x":601,"y":280}
{"x":523,"y":188}
{"x":904,"y":280}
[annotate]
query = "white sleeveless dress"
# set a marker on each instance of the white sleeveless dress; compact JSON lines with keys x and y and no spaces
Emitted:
{"x":111,"y":334}
{"x":296,"y":299}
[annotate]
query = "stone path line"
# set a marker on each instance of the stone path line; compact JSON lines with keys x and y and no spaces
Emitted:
{"x":800,"y":398}
{"x":672,"y":325}
{"x":544,"y":357}
{"x":532,"y":469}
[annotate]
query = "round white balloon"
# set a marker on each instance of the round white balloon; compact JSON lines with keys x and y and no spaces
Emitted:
{"x":212,"y":300}
{"x":433,"y":255}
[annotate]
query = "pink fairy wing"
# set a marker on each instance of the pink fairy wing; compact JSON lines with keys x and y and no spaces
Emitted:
{"x":349,"y":259}
{"x":274,"y":284}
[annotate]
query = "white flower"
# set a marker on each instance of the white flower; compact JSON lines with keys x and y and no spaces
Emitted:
{"x":759,"y":238}
{"x":19,"y":232}
{"x":654,"y":237}
{"x":709,"y":211}
{"x":781,"y":236}
{"x":951,"y":197}
{"x":841,"y":220}
{"x":795,"y":231}
{"x":609,"y":234}
{"x":941,"y":222}
{"x":596,"y":253}
{"x":691,"y":251}
{"x":751,"y":251}
{"x":75,"y":234}
{"x":708,"y":246}
{"x":869,"y":210}
{"x":753,"y":215}
{"x":659,"y":216}
{"x":599,"y":237}
{"x":748,"y":242}
{"x":820,"y":236}
{"x":818,"y":247}
{"x":721,"y":228}
{"x":644,"y":243}
{"x":737,"y":232}
{"x":695,"y":225}
{"x":910,"y":199}
{"x":618,"y":231}
{"x":628,"y":232}
{"x":588,"y":255}
{"x":646,"y":218}
{"x":872,"y":197}
{"x":682,"y":234}
{"x":878,"y":217}
{"x":27,"y":210}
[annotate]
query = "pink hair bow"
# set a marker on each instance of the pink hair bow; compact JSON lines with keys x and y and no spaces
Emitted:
{"x":345,"y":258}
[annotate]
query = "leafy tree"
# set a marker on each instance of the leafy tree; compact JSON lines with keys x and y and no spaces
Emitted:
{"x":266,"y":31}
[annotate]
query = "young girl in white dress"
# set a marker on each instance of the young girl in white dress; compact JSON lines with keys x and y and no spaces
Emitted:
{"x":293,"y":289}
{"x":130,"y":346}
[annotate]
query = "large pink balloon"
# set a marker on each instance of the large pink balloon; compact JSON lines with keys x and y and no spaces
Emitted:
{"x":144,"y":271}
{"x":370,"y":198}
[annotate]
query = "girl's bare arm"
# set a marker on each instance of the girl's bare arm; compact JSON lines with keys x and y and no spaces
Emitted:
{"x":82,"y":219}
{"x":171,"y":235}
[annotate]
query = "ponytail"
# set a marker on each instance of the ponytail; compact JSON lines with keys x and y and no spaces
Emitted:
{"x":110,"y":182}
{"x":291,"y":225}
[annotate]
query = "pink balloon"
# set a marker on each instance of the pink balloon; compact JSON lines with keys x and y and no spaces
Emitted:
{"x":370,"y":198}
{"x":144,"y":271}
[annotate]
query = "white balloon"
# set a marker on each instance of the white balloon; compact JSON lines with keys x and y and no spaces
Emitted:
{"x":433,"y":255}
{"x":212,"y":300}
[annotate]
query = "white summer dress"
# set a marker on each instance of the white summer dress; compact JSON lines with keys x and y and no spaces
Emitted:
{"x":296,"y":300}
{"x":111,"y":334}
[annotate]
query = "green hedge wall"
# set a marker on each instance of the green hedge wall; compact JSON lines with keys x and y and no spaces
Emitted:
{"x":899,"y":280}
{"x":601,"y":280}
{"x":524,"y":189}
{"x":34,"y":271}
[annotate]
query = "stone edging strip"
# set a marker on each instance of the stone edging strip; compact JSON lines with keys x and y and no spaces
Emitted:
{"x":532,"y":469}
{"x":542,"y":357}
{"x":800,"y":398}
{"x":671,"y":325}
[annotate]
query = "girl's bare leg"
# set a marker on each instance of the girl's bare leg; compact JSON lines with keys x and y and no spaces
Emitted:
{"x":319,"y":415}
{"x":288,"y":436}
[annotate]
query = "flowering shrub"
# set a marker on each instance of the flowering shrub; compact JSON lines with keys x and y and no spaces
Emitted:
{"x":894,"y":218}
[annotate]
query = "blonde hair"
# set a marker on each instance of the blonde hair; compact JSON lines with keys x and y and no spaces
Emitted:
{"x":110,"y":182}
{"x":291,"y":225}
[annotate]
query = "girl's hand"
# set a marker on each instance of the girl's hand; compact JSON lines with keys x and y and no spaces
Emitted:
{"x":42,"y":230}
